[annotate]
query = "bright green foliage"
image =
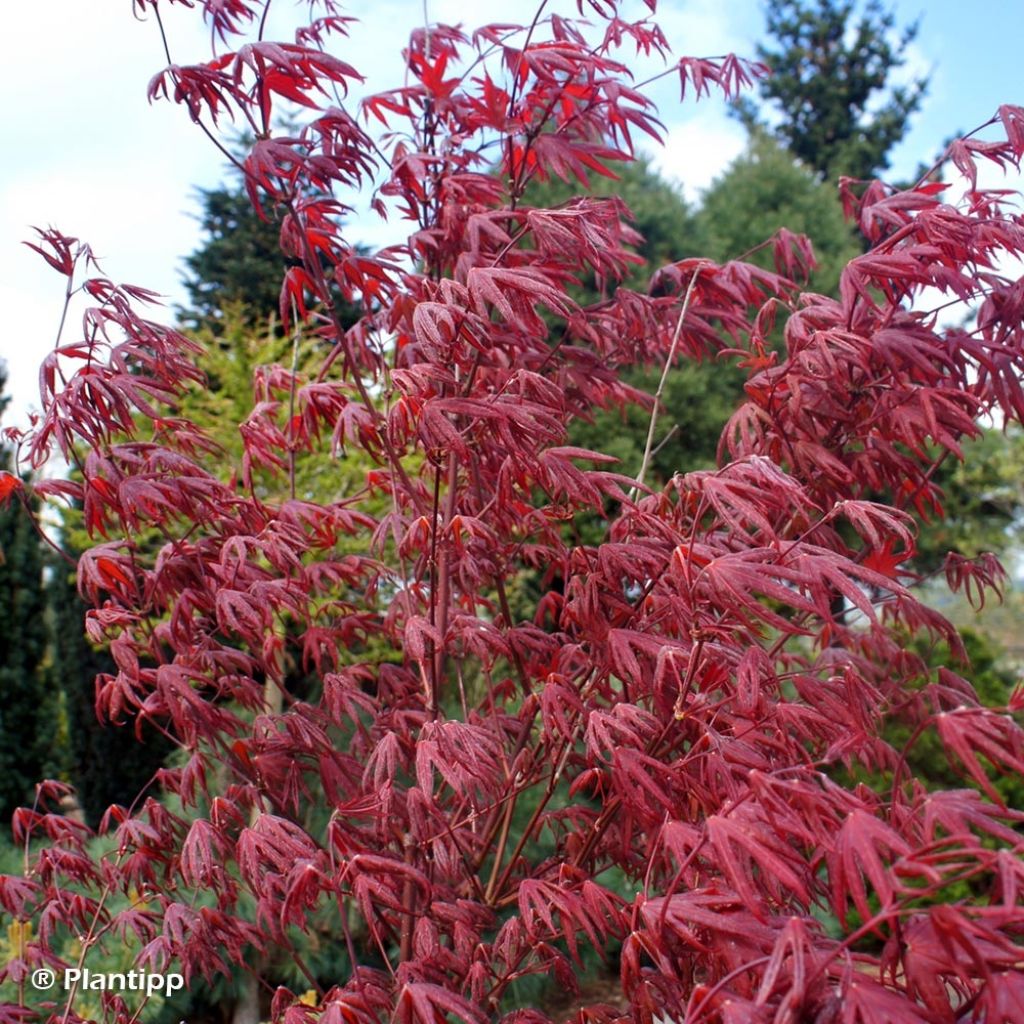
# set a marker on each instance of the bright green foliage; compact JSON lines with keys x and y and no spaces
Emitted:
{"x":830,"y":84}
{"x":29,"y":712}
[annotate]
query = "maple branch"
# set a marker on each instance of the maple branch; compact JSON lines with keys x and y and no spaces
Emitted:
{"x":87,"y":943}
{"x":263,"y":20}
{"x":296,"y":336}
{"x":445,"y":573}
{"x":527,"y":835}
{"x":665,"y":440}
{"x":937,"y":165}
{"x":652,"y":426}
{"x":408,"y":903}
{"x":499,"y":853}
{"x":68,"y":293}
{"x":42,"y":534}
{"x":163,"y":33}
{"x":138,"y":1013}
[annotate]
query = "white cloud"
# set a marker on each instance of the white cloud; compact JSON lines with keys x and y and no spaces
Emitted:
{"x":698,"y":149}
{"x":90,"y":155}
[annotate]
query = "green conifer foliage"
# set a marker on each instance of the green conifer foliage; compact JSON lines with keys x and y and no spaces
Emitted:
{"x":109,"y":764}
{"x":764,"y":190}
{"x":28,"y":723}
{"x":240,"y":261}
{"x":830,"y":84}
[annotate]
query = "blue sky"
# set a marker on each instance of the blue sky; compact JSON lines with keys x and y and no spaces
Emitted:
{"x":88,"y":154}
{"x":973,"y":51}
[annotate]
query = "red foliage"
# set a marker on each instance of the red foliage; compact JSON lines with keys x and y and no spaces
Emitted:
{"x":674,"y":705}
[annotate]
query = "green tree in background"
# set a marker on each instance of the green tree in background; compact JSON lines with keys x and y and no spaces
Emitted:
{"x":764,"y":190}
{"x":984,"y":495}
{"x":239,"y":263}
{"x":830,"y":85}
{"x":926,"y":758}
{"x":698,"y":397}
{"x":29,"y":712}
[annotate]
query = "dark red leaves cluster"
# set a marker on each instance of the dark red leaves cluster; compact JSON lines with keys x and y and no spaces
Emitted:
{"x":519,"y":745}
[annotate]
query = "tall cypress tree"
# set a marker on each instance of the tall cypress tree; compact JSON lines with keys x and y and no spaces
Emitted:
{"x":28,"y":719}
{"x":830,"y":84}
{"x":239,"y":263}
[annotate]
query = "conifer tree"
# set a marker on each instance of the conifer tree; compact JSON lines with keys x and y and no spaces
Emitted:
{"x":28,"y":724}
{"x":239,"y":261}
{"x":831,"y":84}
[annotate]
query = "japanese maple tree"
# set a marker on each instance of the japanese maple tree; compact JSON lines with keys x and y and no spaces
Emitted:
{"x":456,"y":797}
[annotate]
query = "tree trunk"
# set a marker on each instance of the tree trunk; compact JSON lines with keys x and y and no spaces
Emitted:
{"x":247,"y":1009}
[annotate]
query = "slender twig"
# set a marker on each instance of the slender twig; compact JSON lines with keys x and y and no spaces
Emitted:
{"x":945,"y":153}
{"x":444,"y":582}
{"x":163,"y":34}
{"x":665,"y":440}
{"x":138,"y":1013}
{"x":86,"y":945}
{"x":408,"y":903}
{"x":73,"y":562}
{"x":296,"y":338}
{"x":435,"y":515}
{"x":68,"y":292}
{"x":499,"y":854}
{"x":263,"y":20}
{"x":652,"y":426}
{"x":493,"y":888}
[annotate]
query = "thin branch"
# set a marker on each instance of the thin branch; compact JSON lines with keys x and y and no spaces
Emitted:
{"x":73,"y":562}
{"x":652,"y":426}
{"x":296,"y":338}
{"x":163,"y":34}
{"x":665,"y":440}
{"x":263,"y":20}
